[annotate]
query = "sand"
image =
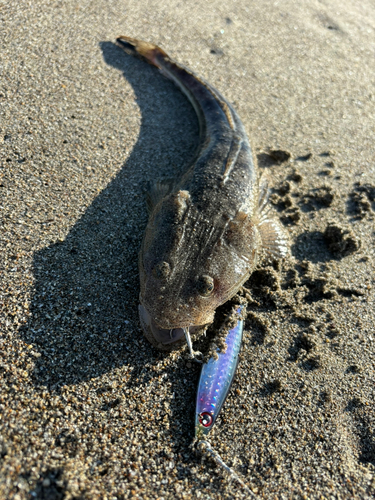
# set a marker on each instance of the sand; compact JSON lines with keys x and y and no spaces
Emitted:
{"x":88,"y":409}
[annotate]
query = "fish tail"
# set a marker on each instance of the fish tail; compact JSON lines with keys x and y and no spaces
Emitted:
{"x":144,"y":50}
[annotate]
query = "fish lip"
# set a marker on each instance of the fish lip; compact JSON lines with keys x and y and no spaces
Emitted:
{"x":162,"y":338}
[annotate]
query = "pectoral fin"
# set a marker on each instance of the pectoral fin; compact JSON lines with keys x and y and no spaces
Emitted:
{"x":157,"y":191}
{"x":275,"y":241}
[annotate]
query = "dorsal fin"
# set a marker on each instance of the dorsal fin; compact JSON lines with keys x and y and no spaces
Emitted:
{"x":230,"y":162}
{"x":263,"y":195}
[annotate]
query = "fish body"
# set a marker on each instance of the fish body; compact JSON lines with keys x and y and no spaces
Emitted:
{"x":207,"y":228}
{"x":216,"y":379}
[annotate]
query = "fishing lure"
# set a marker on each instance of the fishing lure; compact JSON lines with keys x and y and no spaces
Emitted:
{"x":215,"y":381}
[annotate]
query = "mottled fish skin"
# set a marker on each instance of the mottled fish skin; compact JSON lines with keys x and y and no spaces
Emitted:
{"x":216,"y":379}
{"x":207,"y":228}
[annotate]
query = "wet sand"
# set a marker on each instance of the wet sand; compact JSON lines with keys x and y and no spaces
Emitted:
{"x":88,"y":409}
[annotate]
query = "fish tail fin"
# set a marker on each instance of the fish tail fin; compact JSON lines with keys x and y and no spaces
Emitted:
{"x":139,"y":48}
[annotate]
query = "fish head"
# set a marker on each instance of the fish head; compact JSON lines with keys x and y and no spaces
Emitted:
{"x":189,"y":266}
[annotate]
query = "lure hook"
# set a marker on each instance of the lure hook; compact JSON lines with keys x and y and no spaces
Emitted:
{"x":205,"y":449}
{"x":193,"y":353}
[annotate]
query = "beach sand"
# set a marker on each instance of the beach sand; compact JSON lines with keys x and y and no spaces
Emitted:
{"x":90,"y":410}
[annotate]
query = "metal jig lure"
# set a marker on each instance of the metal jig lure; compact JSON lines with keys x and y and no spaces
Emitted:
{"x":215,"y":381}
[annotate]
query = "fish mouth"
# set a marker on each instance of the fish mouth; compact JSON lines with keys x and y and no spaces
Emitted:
{"x":162,"y":338}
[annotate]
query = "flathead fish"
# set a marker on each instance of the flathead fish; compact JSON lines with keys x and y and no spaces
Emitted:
{"x":207,"y":228}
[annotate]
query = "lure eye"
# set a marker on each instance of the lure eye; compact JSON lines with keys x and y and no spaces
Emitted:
{"x":205,"y":285}
{"x":205,"y":419}
{"x":161,"y":271}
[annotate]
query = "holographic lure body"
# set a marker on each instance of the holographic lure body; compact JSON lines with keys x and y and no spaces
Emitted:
{"x":215,"y":380}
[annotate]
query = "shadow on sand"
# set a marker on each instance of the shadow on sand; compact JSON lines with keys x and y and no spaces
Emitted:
{"x":84,"y":317}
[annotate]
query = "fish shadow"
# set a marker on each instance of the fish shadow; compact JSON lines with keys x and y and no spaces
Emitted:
{"x":84,"y":318}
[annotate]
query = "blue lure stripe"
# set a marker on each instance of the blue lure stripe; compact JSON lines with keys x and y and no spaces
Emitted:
{"x":215,"y":380}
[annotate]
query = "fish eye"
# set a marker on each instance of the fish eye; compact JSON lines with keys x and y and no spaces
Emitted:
{"x":161,"y":271}
{"x":205,"y":285}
